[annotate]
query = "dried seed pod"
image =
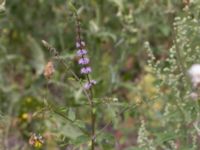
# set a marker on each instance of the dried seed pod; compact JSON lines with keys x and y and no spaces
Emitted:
{"x":49,"y":70}
{"x":50,"y":48}
{"x":186,"y":2}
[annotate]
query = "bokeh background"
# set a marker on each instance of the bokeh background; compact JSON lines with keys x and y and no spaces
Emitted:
{"x":115,"y":32}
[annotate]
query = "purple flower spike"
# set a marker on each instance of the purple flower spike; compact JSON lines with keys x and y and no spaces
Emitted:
{"x":84,"y":61}
{"x":81,"y":52}
{"x":86,"y":70}
{"x":78,"y":45}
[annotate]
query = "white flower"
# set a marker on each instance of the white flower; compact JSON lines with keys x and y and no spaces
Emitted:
{"x":194,"y":73}
{"x":194,"y":95}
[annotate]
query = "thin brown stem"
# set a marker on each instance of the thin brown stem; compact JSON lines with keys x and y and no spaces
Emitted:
{"x":92,"y":109}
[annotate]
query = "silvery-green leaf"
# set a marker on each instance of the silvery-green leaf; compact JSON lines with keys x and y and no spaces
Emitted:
{"x":38,"y":60}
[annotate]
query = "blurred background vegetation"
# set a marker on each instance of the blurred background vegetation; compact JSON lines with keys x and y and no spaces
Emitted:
{"x":115,"y":32}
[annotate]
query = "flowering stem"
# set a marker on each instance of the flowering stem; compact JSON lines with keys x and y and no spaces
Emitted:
{"x":182,"y":70}
{"x":180,"y":61}
{"x":92,"y":105}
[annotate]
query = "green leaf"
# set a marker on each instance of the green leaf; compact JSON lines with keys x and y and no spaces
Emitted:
{"x":70,"y":131}
{"x":38,"y":61}
{"x":64,"y":127}
{"x":81,"y":140}
{"x":71,"y":114}
{"x":112,"y":113}
{"x":2,"y":6}
{"x":71,"y":7}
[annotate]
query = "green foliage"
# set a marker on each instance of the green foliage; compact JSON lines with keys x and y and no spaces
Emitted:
{"x":142,"y":94}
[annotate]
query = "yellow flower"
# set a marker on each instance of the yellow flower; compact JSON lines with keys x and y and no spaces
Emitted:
{"x":24,"y":116}
{"x":37,"y":144}
{"x":36,"y":141}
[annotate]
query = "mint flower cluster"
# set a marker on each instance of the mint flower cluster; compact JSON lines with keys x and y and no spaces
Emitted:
{"x":84,"y":62}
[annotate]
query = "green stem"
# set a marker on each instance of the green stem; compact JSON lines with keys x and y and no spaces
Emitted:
{"x":93,"y":122}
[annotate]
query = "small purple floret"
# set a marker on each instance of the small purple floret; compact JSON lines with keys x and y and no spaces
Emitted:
{"x":93,"y":82}
{"x":78,"y":45}
{"x":88,"y":85}
{"x":84,"y":61}
{"x":86,"y":70}
{"x":81,"y":52}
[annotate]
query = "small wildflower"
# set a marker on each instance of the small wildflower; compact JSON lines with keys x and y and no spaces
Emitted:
{"x":49,"y":70}
{"x":84,"y":61}
{"x":93,"y":82}
{"x":194,"y":95}
{"x":25,"y":116}
{"x":115,"y":99}
{"x":86,"y":70}
{"x":88,"y":85}
{"x":80,"y":44}
{"x":194,"y":73}
{"x":81,"y":52}
{"x":36,"y":140}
